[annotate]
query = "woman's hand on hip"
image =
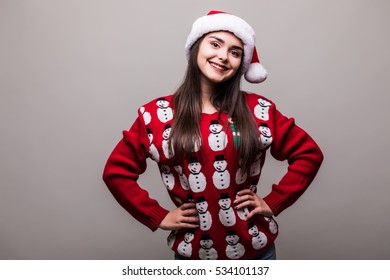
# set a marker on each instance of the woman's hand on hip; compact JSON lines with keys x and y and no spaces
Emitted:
{"x":255,"y":204}
{"x":185,"y":216}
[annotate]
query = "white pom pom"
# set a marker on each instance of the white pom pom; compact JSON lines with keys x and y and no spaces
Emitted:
{"x":256,"y":73}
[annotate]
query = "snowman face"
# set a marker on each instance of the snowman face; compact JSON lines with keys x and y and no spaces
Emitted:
{"x":150,"y":136}
{"x":225,"y":203}
{"x":232,"y":239}
{"x":264,"y":103}
{"x":220,"y":165}
{"x":215,"y":128}
{"x":206,"y":244}
{"x":265,"y":131}
{"x":194,"y":167}
{"x":166,"y":133}
{"x":162,"y":103}
{"x":253,"y":231}
{"x":188,"y":237}
{"x":202,"y":206}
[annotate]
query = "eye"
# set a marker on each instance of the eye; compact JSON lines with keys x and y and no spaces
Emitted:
{"x":214,"y":44}
{"x":236,"y":53}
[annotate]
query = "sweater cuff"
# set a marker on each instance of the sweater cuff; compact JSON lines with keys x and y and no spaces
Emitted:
{"x":156,"y":216}
{"x":275,"y":202}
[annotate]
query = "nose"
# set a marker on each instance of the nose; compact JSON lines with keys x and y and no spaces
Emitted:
{"x":222,"y":55}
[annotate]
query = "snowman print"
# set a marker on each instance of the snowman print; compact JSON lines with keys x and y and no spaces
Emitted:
{"x":167,"y":177}
{"x":234,"y":249}
{"x":253,"y":186}
{"x":273,"y":226}
{"x":196,"y":179}
{"x":182,"y":178}
{"x":206,"y":251}
{"x":259,"y":239}
{"x":185,"y":247}
{"x":152,"y":148}
{"x":164,"y":112}
{"x":221,"y":176}
{"x":255,"y":168}
{"x":265,"y":136}
{"x":243,"y":212}
{"x":217,"y":138}
{"x":165,"y":146}
{"x":226,"y":212}
{"x":177,"y":199}
{"x":204,"y":215}
{"x":261,"y":109}
{"x":171,"y":238}
{"x":146,"y":115}
{"x":241,"y":176}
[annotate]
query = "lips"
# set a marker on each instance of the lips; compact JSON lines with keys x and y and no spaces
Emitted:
{"x":218,"y":67}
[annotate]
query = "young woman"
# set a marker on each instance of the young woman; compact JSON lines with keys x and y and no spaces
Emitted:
{"x":209,"y":140}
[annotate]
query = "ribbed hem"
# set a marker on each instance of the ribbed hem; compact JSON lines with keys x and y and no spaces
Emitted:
{"x":275,"y":202}
{"x":155,"y":217}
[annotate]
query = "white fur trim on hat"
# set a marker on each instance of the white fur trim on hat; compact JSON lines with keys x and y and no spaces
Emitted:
{"x":220,"y":21}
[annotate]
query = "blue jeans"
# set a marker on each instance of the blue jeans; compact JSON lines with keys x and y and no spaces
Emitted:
{"x":268,"y":254}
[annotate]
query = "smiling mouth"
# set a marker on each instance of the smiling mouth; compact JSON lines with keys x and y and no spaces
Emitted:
{"x":218,"y":66}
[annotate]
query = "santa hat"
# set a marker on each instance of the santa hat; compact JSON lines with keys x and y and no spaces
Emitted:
{"x":221,"y":21}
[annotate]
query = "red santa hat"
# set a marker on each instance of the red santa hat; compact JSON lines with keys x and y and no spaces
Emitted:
{"x":221,"y":21}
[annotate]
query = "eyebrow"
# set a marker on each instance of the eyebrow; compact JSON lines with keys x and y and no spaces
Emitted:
{"x":222,"y":41}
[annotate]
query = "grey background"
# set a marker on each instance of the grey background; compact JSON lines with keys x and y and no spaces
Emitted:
{"x":72,"y":74}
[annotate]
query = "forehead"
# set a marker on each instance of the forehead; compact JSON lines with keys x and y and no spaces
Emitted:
{"x":227,"y":37}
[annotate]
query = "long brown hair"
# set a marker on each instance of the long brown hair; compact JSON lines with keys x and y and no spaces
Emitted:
{"x":228,"y":98}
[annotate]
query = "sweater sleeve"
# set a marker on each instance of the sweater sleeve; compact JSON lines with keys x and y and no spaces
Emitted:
{"x":123,"y":168}
{"x":304,"y":158}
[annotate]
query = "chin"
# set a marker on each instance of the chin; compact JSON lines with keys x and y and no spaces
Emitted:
{"x":218,"y":80}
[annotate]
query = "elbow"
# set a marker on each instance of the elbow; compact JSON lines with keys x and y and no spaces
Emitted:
{"x":106,"y":176}
{"x":320,"y":156}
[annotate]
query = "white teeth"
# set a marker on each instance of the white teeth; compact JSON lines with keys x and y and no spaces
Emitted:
{"x":217,"y":66}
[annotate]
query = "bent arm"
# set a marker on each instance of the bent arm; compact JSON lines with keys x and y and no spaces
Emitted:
{"x":123,"y":168}
{"x":304,"y":159}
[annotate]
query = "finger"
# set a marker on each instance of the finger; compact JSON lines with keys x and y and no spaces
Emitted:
{"x":190,"y":212}
{"x":243,"y":198}
{"x":190,"y":220}
{"x":245,"y":191}
{"x":250,"y":215}
{"x":187,"y":205}
{"x":246,"y":203}
{"x":186,"y":225}
{"x":255,"y":213}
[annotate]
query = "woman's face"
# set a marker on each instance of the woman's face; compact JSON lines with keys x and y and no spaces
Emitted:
{"x":219,"y":57}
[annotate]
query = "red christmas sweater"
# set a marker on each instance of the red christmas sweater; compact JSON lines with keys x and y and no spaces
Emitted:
{"x":211,"y":178}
